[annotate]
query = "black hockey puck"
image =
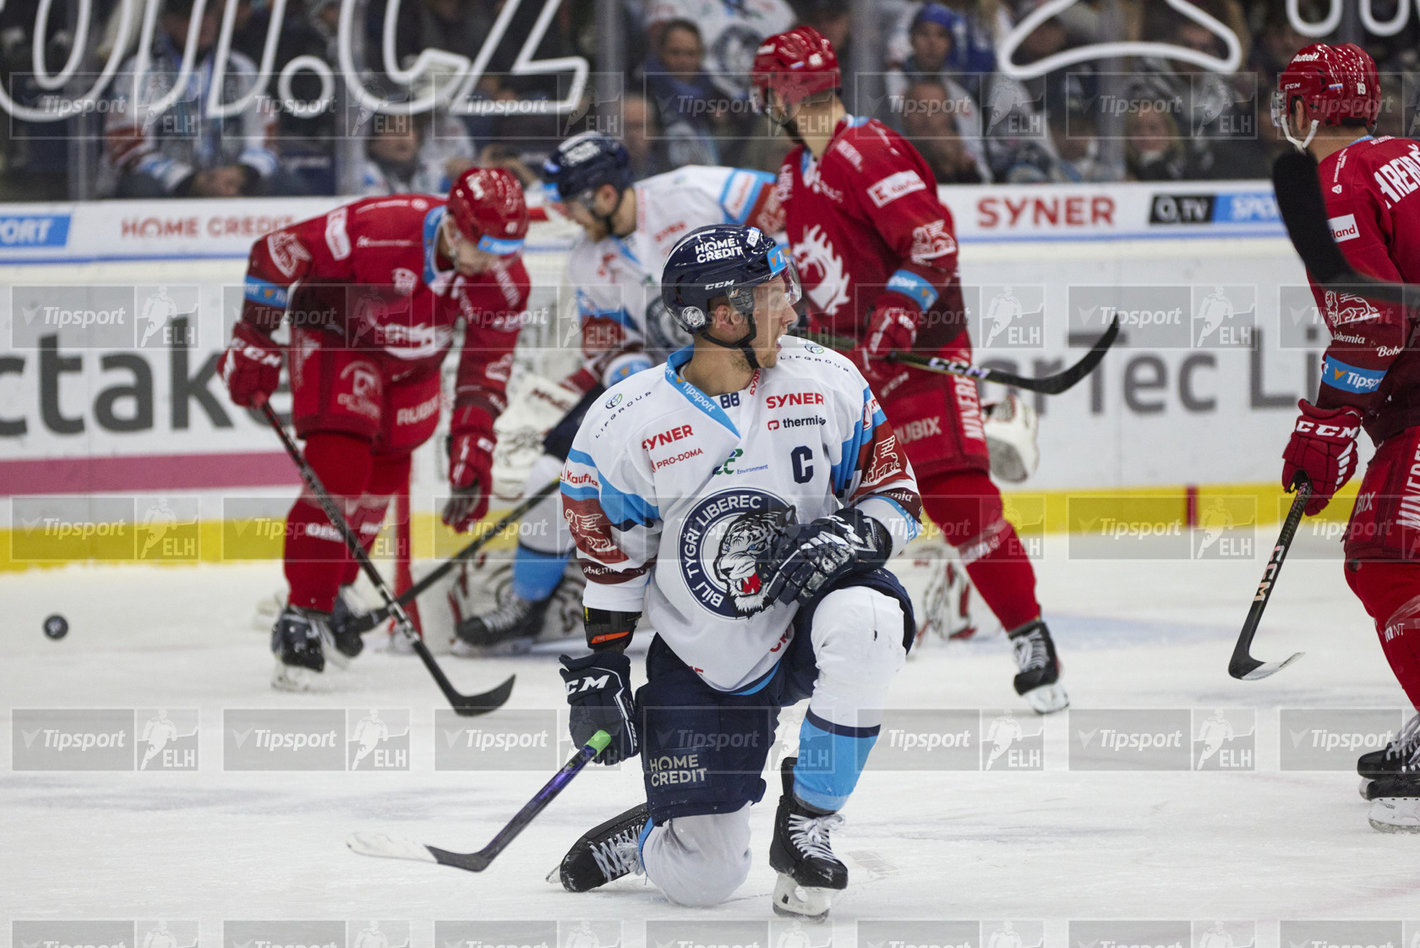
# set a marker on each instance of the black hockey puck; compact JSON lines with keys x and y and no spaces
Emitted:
{"x":56,"y":626}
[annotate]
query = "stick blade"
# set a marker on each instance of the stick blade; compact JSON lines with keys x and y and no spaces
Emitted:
{"x":471,"y":862}
{"x":385,"y":846}
{"x":1250,"y":669}
{"x":470,"y":706}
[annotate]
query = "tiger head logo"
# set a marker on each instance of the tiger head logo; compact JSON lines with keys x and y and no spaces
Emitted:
{"x":739,"y":561}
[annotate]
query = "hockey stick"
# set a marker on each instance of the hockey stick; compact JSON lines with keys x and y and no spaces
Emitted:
{"x":367,"y":621}
{"x":1242,"y":665}
{"x":466,"y":705}
{"x":1303,"y":209}
{"x":394,"y":847}
{"x":1046,"y":384}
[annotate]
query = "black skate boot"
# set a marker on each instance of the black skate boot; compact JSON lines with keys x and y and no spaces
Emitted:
{"x":810,"y":875}
{"x":509,"y":629}
{"x":604,"y":853}
{"x":1395,"y":797}
{"x":1392,"y":758}
{"x":1039,"y":678}
{"x":347,"y":641}
{"x":296,"y":643}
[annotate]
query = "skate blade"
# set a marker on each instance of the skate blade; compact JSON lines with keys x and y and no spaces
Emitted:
{"x":1365,"y":788}
{"x":511,"y":647}
{"x":1395,"y":815}
{"x":1047,"y":699}
{"x":295,"y":678}
{"x":804,"y":902}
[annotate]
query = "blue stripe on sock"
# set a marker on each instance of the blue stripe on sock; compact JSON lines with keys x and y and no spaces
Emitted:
{"x":831,"y":756}
{"x":536,"y":574}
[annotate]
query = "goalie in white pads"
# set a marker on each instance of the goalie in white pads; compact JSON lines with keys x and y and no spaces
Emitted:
{"x":745,"y":498}
{"x":628,"y":229}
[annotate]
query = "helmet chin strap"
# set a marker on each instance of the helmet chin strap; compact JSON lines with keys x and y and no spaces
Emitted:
{"x":605,"y":219}
{"x":742,"y":344}
{"x":1300,"y":145}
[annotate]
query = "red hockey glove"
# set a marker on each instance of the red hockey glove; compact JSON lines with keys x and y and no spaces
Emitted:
{"x":1323,"y":447}
{"x":251,"y":366}
{"x":891,"y":325}
{"x":470,"y":467}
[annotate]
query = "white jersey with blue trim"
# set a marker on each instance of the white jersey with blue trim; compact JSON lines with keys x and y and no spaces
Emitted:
{"x":618,"y":279}
{"x":673,"y":496}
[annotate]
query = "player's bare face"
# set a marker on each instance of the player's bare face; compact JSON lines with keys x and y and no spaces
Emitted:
{"x":774,"y":314}
{"x":467,"y":258}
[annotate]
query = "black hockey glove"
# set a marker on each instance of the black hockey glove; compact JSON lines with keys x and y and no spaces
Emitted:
{"x":599,"y":691}
{"x":807,"y":558}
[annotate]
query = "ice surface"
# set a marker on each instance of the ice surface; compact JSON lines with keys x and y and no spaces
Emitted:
{"x":1057,"y":845}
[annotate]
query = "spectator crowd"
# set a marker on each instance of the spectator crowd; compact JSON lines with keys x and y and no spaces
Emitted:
{"x":182,"y":117}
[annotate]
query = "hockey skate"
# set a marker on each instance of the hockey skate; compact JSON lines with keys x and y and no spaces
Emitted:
{"x":509,"y":629}
{"x":1039,"y":678}
{"x":298,"y":641}
{"x":1395,"y":796}
{"x":345,"y":641}
{"x":1391,"y":759}
{"x":810,"y":875}
{"x":604,"y":853}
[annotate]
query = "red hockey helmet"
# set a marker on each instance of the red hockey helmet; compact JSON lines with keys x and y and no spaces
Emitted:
{"x":795,"y":64}
{"x":1335,"y":83}
{"x":487,"y":207}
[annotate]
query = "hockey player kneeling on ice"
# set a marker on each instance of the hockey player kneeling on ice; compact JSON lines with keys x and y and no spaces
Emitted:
{"x":1327,"y":102}
{"x":745,"y":498}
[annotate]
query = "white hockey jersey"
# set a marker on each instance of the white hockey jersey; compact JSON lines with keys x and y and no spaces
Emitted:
{"x":624,"y":326}
{"x":671,"y":494}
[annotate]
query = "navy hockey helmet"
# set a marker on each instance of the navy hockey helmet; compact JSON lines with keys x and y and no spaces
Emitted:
{"x":584,"y":163}
{"x":723,"y":261}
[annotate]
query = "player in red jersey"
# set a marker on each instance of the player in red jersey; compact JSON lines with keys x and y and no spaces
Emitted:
{"x":1327,"y":102}
{"x":372,"y":292}
{"x":878,"y":257}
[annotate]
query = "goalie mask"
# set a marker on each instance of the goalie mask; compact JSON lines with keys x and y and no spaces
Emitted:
{"x":724,"y":263}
